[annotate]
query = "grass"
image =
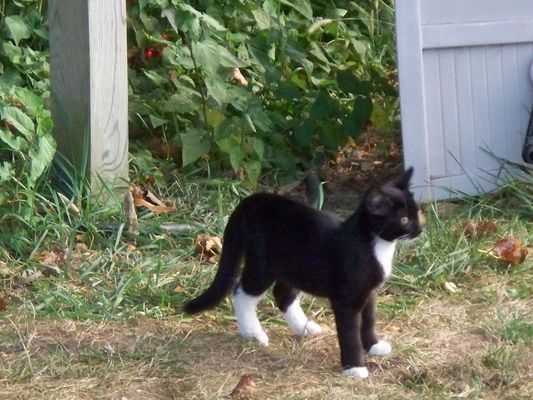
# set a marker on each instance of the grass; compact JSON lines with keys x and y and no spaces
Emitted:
{"x":108,"y":325}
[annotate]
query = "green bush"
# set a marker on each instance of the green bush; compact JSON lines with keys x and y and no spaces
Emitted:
{"x":26,"y":143}
{"x":318,"y":72}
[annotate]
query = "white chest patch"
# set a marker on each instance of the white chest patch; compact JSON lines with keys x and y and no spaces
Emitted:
{"x":384,"y":252}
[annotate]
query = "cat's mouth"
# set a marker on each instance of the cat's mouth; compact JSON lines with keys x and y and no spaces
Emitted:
{"x":409,"y":236}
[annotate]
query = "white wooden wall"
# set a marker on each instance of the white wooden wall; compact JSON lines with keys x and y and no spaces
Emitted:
{"x":465,"y":90}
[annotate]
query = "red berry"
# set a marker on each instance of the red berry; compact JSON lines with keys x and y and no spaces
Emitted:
{"x":149,"y":52}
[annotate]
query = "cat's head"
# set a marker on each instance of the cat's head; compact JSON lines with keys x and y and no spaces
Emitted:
{"x":392,"y":212}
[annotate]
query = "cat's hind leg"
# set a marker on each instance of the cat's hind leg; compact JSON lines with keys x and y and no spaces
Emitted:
{"x":245,"y":311}
{"x":288,"y":301}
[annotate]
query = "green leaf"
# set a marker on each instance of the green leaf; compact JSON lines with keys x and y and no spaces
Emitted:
{"x":301,"y":6}
{"x":16,"y":118}
{"x":359,"y":117}
{"x":182,"y":103}
{"x":330,"y":136}
{"x":44,"y":123}
{"x":17,"y":28}
{"x":31,"y":101}
{"x":215,"y":118}
{"x":323,"y":107}
{"x":15,"y":143}
{"x":258,"y":146}
{"x":217,"y":89}
{"x":349,"y":83}
{"x":253,"y":172}
{"x":14,"y":53}
{"x":210,"y":55}
{"x":195,"y":145}
{"x":263,"y":20}
{"x":236,"y":157}
{"x":226,"y":130}
{"x":41,"y":157}
{"x":6,"y":172}
{"x":156,"y":78}
{"x":156,"y":121}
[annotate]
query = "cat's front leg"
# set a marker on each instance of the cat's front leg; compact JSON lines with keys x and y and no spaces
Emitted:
{"x":371,"y":344}
{"x":348,"y":324}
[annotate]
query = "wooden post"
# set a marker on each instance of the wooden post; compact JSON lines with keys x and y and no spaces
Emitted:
{"x":89,"y":81}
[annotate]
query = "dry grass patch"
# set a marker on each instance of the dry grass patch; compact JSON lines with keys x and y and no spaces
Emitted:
{"x":442,"y":349}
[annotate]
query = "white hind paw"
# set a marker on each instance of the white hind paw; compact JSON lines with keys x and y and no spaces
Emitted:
{"x":312,"y":329}
{"x":356,"y":372}
{"x":380,"y":349}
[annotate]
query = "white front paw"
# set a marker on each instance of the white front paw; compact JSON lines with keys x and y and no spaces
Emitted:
{"x":356,"y":372}
{"x":262,"y":338}
{"x":259,"y":335}
{"x":380,"y":349}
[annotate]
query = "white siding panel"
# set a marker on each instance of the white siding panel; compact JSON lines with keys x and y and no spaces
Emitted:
{"x":458,"y":11}
{"x":450,"y":113}
{"x":465,"y":109}
{"x":495,"y":141}
{"x":436,"y":145}
{"x":465,"y":90}
{"x":477,"y":33}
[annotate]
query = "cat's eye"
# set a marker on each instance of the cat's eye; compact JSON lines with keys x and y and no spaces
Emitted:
{"x":404,"y":220}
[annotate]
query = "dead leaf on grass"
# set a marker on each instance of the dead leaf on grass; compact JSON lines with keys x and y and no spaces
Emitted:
{"x":179,"y":289}
{"x":393,"y":328}
{"x":4,"y":271}
{"x":163,"y":149}
{"x":209,"y":247}
{"x":471,"y":229}
{"x":245,"y":387}
{"x":55,"y":256}
{"x":3,"y":304}
{"x":144,"y":198}
{"x":451,"y":287}
{"x":29,"y":275}
{"x":510,"y":249}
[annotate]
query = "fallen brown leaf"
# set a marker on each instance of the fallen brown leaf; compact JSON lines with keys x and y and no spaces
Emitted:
{"x":510,"y":249}
{"x":179,"y":289}
{"x":209,"y":247}
{"x":54,"y":256}
{"x":3,"y":304}
{"x":472,"y":229}
{"x":245,"y":387}
{"x":144,"y":198}
{"x":393,"y":328}
{"x":163,"y":149}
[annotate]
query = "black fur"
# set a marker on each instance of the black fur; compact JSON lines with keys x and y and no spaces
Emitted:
{"x":297,"y":248}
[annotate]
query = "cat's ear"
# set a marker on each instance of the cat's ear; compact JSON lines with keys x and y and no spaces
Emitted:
{"x":402,"y":181}
{"x":377,"y":203}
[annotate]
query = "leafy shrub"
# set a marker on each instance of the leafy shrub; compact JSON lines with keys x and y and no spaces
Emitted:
{"x":26,"y":144}
{"x":318,"y":72}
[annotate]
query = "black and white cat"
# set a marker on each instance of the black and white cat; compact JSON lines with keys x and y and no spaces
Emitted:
{"x":294,"y":247}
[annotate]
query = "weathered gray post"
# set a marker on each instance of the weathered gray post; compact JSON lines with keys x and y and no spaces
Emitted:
{"x":89,"y":81}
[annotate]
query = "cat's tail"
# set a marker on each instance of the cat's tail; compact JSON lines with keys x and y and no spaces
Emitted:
{"x":228,"y":268}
